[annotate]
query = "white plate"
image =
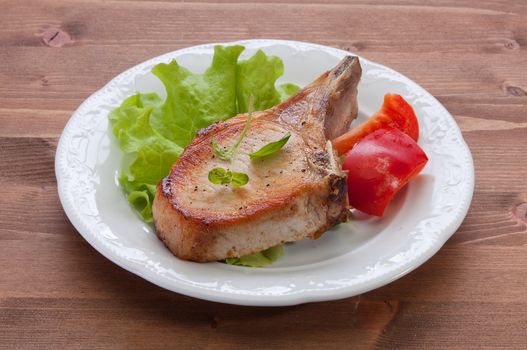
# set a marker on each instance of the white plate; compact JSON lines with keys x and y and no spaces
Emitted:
{"x":353,"y":258}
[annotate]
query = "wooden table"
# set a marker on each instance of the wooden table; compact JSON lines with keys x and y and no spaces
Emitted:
{"x":57,"y":292}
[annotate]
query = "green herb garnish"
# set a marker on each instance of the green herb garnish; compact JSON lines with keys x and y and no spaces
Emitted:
{"x":270,"y":149}
{"x":219,"y":151}
{"x":229,"y":153}
{"x":220,"y":176}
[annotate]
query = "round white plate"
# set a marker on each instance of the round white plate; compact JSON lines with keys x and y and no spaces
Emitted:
{"x":352,"y":258}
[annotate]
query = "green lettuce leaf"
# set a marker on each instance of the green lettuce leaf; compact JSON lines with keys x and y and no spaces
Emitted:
{"x":257,"y":77}
{"x":149,"y":155}
{"x":131,"y":121}
{"x":261,"y":259}
{"x":152,"y":132}
{"x":194,"y":101}
{"x":140,"y":196}
{"x":287,"y":90}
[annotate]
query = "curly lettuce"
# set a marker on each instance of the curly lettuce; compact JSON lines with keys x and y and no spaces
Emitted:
{"x":194,"y":101}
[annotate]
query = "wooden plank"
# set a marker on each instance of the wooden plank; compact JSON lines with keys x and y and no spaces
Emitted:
{"x":27,"y":161}
{"x":187,"y":325}
{"x":200,"y":324}
{"x":58,"y":292}
{"x":459,"y":68}
{"x":43,"y":86}
{"x":27,"y":122}
{"x":106,"y":24}
{"x":488,"y":325}
{"x":69,"y":268}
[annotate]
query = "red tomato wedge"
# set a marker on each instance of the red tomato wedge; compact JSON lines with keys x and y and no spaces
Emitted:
{"x":378,"y":166}
{"x":395,"y":113}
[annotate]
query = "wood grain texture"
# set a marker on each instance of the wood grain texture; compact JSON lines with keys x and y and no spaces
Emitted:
{"x":58,"y":292}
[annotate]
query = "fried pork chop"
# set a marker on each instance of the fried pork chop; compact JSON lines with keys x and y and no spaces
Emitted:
{"x":298,"y":192}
